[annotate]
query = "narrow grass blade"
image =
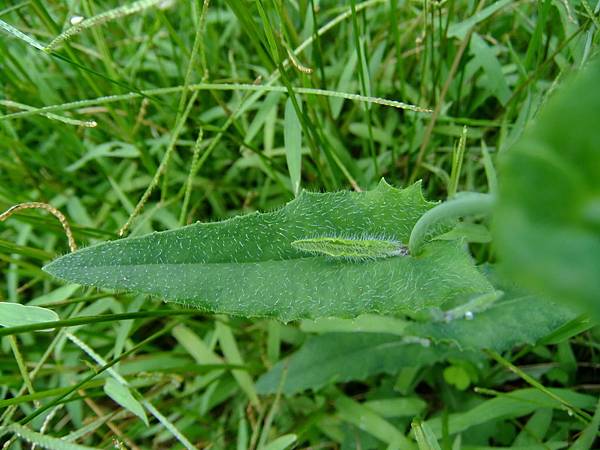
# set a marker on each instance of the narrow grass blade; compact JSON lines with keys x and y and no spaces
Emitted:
{"x":460,"y":29}
{"x":12,"y":31}
{"x":43,"y":440}
{"x":424,"y":436}
{"x":514,"y":404}
{"x":233,"y":356}
{"x":367,"y":420}
{"x":590,"y":433}
{"x":292,"y":136}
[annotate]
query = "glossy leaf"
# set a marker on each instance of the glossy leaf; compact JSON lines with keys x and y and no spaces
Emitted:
{"x":547,"y":223}
{"x":248,"y":266}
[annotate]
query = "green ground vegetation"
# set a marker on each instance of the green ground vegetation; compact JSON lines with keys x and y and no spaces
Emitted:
{"x":150,"y":115}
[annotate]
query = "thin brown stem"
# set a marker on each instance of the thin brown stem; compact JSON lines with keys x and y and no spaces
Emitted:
{"x":51,"y":209}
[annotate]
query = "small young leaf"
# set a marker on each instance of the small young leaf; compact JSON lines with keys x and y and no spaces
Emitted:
{"x":351,"y":248}
{"x":123,"y":397}
{"x":457,"y":376}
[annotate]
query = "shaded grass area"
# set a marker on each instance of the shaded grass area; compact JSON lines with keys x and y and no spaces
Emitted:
{"x":173,"y":112}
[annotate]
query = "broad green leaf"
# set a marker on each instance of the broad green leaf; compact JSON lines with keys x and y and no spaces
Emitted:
{"x":247,"y":265}
{"x":508,"y":322}
{"x":339,"y":357}
{"x":125,"y":398}
{"x":355,"y":349}
{"x":15,"y":314}
{"x":292,"y":136}
{"x":516,"y":319}
{"x":547,"y":223}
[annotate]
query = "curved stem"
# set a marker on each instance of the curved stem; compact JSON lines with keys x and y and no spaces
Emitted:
{"x":466,"y":203}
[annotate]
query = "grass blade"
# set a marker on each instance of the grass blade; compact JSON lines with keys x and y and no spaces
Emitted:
{"x":292,"y":130}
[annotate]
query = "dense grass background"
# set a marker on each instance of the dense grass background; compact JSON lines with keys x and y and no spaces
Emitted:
{"x":163,"y":117}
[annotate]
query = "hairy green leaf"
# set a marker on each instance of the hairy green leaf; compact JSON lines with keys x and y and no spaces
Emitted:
{"x":547,"y":223}
{"x":248,"y":266}
{"x":516,"y":319}
{"x":509,"y":322}
{"x":387,"y":345}
{"x":353,"y":248}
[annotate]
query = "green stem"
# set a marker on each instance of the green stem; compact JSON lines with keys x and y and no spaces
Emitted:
{"x":571,"y":409}
{"x":21,"y":363}
{"x":466,"y":203}
{"x":94,"y":319}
